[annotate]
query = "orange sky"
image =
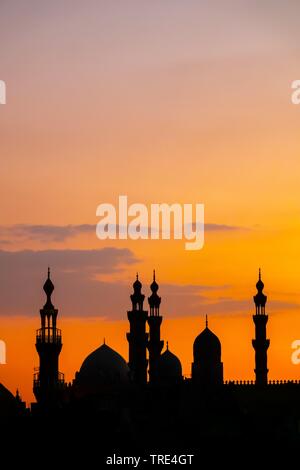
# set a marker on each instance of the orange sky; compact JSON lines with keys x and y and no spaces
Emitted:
{"x":164,"y":102}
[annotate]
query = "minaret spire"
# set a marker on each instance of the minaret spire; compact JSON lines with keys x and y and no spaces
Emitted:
{"x":260,"y":343}
{"x":48,"y":380}
{"x":137,"y":336}
{"x":137,"y":298}
{"x":206,"y":321}
{"x":155,"y":344}
{"x":154,"y":299}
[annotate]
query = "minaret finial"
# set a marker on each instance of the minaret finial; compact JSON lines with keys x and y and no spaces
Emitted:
{"x":137,"y":298}
{"x":167,"y":345}
{"x":153,"y":274}
{"x":259,"y":274}
{"x":104,"y":340}
{"x":48,"y":289}
{"x":206,"y":321}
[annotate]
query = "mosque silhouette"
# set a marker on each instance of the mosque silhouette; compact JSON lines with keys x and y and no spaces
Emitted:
{"x":148,"y":399}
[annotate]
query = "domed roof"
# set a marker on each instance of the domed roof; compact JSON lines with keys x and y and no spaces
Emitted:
{"x":169,"y":366}
{"x":207,"y":346}
{"x":8,"y":404}
{"x":48,"y":286}
{"x":259,"y":285}
{"x":154,"y":286}
{"x":104,"y":366}
{"x":137,"y":285}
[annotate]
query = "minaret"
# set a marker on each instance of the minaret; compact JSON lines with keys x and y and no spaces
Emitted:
{"x":155,"y":344}
{"x":48,"y":380}
{"x":260,"y":343}
{"x":137,"y":337}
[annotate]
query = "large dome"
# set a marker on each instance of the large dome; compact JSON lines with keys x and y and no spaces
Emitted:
{"x":207,"y":346}
{"x":169,"y":367}
{"x":103,"y":366}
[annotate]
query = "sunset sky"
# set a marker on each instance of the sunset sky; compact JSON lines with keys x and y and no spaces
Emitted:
{"x":162,"y":101}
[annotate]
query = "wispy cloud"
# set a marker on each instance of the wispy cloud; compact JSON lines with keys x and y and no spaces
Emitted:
{"x":46,"y":233}
{"x":221,"y":227}
{"x":61,"y":233}
{"x":81,"y":290}
{"x":22,"y":274}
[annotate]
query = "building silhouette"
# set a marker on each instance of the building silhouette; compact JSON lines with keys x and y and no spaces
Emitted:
{"x":155,"y":344}
{"x":207,"y":368}
{"x":137,"y":336}
{"x":260,"y":343}
{"x":147,"y":399}
{"x":48,"y":381}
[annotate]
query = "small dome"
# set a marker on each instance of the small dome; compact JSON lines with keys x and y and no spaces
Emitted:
{"x":169,"y":367}
{"x":48,"y":286}
{"x":104,"y":366}
{"x":137,"y":285}
{"x":154,"y":286}
{"x":207,"y":346}
{"x":259,"y":285}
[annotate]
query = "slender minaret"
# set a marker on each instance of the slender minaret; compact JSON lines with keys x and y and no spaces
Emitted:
{"x":260,"y":343}
{"x":155,"y":344}
{"x":48,"y":380}
{"x":137,"y":337}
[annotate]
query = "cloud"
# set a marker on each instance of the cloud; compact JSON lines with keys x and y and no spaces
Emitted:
{"x":4,"y":242}
{"x":221,"y":227}
{"x":77,"y":292}
{"x":82,"y":290}
{"x":61,"y":233}
{"x":46,"y":233}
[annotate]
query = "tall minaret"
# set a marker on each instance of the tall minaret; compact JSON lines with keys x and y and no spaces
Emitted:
{"x":137,"y":337}
{"x":155,"y":344}
{"x":48,"y":380}
{"x":260,"y":343}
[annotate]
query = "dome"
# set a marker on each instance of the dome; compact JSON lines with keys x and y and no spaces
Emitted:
{"x":154,"y":286}
{"x":259,"y":285}
{"x":104,"y":366}
{"x":48,"y":286}
{"x":169,"y":367}
{"x":137,"y":285}
{"x":8,"y":404}
{"x":207,"y":346}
